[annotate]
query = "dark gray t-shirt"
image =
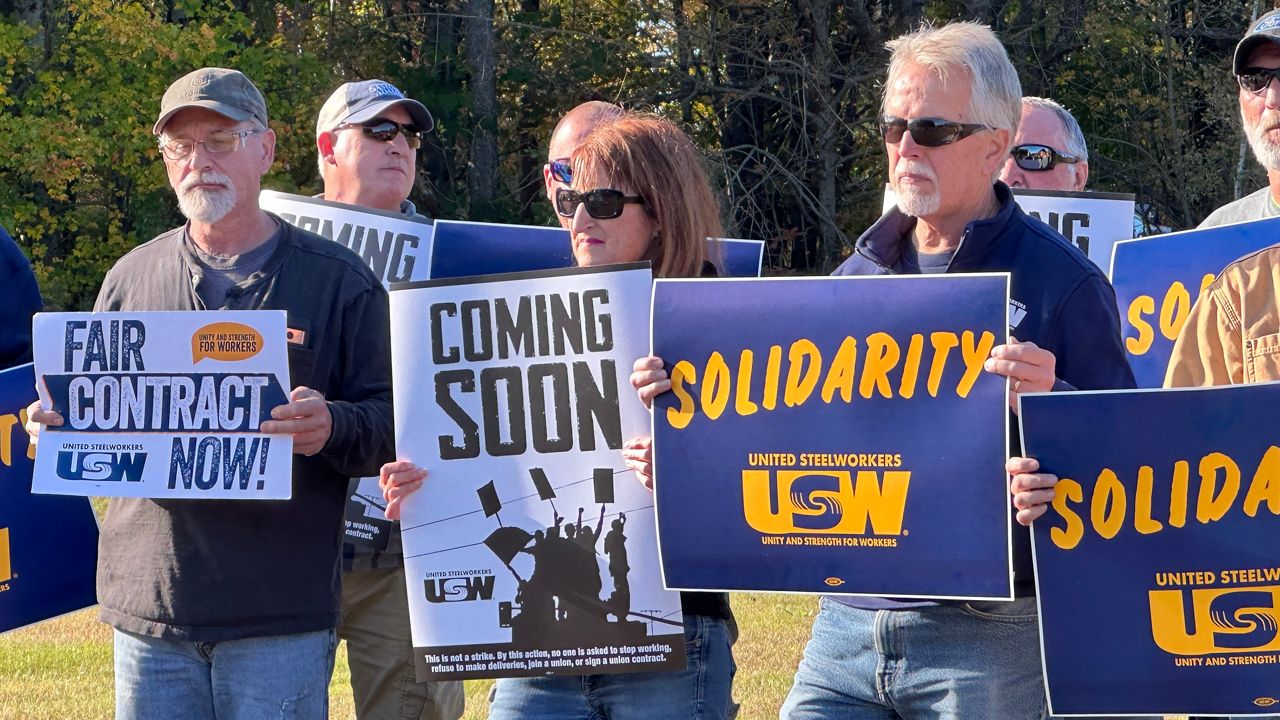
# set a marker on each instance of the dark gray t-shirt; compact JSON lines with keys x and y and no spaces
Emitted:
{"x":221,"y":275}
{"x":914,"y":262}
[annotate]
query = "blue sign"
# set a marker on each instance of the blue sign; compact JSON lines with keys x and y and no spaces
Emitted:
{"x":466,"y":249}
{"x":1156,"y":564}
{"x":48,"y":543}
{"x":1158,"y":279}
{"x":833,"y":435}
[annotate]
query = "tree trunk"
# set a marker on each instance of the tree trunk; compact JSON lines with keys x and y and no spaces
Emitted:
{"x":482,"y":178}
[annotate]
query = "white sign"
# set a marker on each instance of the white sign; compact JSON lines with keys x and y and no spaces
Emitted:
{"x":396,"y":247}
{"x":1092,"y":221}
{"x":163,"y":404}
{"x":531,"y":548}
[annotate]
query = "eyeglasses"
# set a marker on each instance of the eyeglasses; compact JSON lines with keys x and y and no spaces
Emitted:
{"x":216,"y":142}
{"x":561,"y":170}
{"x":1035,"y":158}
{"x":601,"y":203}
{"x":386,"y":131}
{"x":929,"y":132}
{"x":1256,"y":79}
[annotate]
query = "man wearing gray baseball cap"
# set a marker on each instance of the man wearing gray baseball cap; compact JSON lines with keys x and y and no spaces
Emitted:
{"x":228,"y":609}
{"x":367,"y":137}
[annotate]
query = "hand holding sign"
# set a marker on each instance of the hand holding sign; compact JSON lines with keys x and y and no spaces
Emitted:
{"x":397,"y":480}
{"x":649,"y":378}
{"x":638,"y":454}
{"x":1030,"y":368}
{"x":37,"y":418}
{"x":306,"y":417}
{"x":1032,"y":492}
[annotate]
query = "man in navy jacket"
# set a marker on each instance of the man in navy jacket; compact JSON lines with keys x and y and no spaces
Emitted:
{"x":20,"y":298}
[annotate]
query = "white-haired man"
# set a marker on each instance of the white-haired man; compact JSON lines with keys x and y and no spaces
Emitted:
{"x":1256,"y":65}
{"x":367,"y":137}
{"x":951,"y":107}
{"x":1049,"y":151}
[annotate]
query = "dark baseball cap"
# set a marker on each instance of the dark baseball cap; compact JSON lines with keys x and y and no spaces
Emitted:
{"x":355,"y":102}
{"x":1265,"y":29}
{"x":226,"y":92}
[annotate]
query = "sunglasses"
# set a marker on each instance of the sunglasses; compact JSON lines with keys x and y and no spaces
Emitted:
{"x":386,"y":131}
{"x":929,"y":132}
{"x":601,"y":203}
{"x":1035,"y":158}
{"x":1257,"y":79}
{"x":561,"y":170}
{"x":216,"y":142}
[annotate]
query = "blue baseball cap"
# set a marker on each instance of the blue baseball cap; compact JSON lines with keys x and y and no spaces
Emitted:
{"x":355,"y":102}
{"x":1265,"y":29}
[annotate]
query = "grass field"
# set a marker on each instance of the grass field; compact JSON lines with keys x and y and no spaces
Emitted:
{"x":61,"y":669}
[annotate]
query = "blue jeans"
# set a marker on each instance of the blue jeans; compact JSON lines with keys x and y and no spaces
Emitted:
{"x":269,"y":678}
{"x":699,"y":692}
{"x":951,"y":662}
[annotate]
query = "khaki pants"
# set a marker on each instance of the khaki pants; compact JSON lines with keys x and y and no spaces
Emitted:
{"x":375,"y":624}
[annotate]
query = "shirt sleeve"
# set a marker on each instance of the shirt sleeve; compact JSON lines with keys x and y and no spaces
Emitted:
{"x":1091,"y":352}
{"x":20,"y":298}
{"x":362,"y":438}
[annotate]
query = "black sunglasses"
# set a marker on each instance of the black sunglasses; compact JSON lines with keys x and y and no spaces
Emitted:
{"x":1035,"y":158}
{"x":1257,"y":79}
{"x":386,"y":131}
{"x":561,"y":170}
{"x":929,"y":132}
{"x":601,"y":203}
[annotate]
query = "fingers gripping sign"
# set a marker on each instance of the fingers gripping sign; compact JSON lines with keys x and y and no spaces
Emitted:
{"x":1029,"y":368}
{"x":398,"y":480}
{"x":1032,"y":491}
{"x":649,"y":378}
{"x":306,"y":417}
{"x":638,"y":454}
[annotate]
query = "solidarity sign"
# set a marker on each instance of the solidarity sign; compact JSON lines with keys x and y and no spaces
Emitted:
{"x":163,"y":404}
{"x":1158,"y":553}
{"x":531,"y":550}
{"x":833,"y":435}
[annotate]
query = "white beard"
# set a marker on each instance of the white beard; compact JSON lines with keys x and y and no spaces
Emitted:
{"x":914,"y":200}
{"x":1266,"y":151}
{"x":204,"y":205}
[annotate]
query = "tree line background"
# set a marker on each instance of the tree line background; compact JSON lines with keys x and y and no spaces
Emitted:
{"x":781,"y":94}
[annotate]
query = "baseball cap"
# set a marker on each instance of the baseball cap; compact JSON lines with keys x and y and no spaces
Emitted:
{"x":226,"y":92}
{"x":1265,"y":29}
{"x":355,"y":102}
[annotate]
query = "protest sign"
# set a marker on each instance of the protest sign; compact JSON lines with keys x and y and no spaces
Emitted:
{"x":396,"y":246}
{"x":1092,"y":221}
{"x":465,"y":249}
{"x":513,"y":392}
{"x":1158,"y":279}
{"x":48,"y":545}
{"x":1156,"y":570}
{"x":833,"y":435}
{"x":163,"y":404}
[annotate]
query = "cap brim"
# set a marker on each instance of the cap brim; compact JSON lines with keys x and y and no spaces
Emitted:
{"x":1246,"y":48}
{"x":417,"y":111}
{"x":222,"y":109}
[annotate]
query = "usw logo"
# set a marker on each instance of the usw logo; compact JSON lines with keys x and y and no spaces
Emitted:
{"x":100,"y":466}
{"x":459,"y":589}
{"x":825,"y":501}
{"x":1217,"y":621}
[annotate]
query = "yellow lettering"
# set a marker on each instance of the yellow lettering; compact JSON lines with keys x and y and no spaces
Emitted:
{"x":1180,"y":494}
{"x":1109,"y":504}
{"x":6,"y":565}
{"x":884,"y":506}
{"x":1205,"y":282}
{"x":679,"y":417}
{"x":911,"y":369}
{"x":804,"y":354}
{"x":974,"y":356}
{"x":882,"y":356}
{"x":1065,"y":492}
{"x":7,"y":423}
{"x":1141,"y":305}
{"x":1174,"y":310}
{"x":840,"y":376}
{"x":715,"y":387}
{"x":1266,"y":484}
{"x":942,"y":344}
{"x":1142,"y":520}
{"x":1211,"y":505}
{"x":742,"y":399}
{"x":772,"y":370}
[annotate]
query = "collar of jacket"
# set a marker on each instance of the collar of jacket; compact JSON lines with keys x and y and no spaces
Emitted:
{"x":882,"y":242}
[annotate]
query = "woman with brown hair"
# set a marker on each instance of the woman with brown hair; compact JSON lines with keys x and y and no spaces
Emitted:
{"x":638,"y":192}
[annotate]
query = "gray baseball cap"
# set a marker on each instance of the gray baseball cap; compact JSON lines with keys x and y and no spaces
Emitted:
{"x":226,"y":92}
{"x":355,"y":102}
{"x":1265,"y":29}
